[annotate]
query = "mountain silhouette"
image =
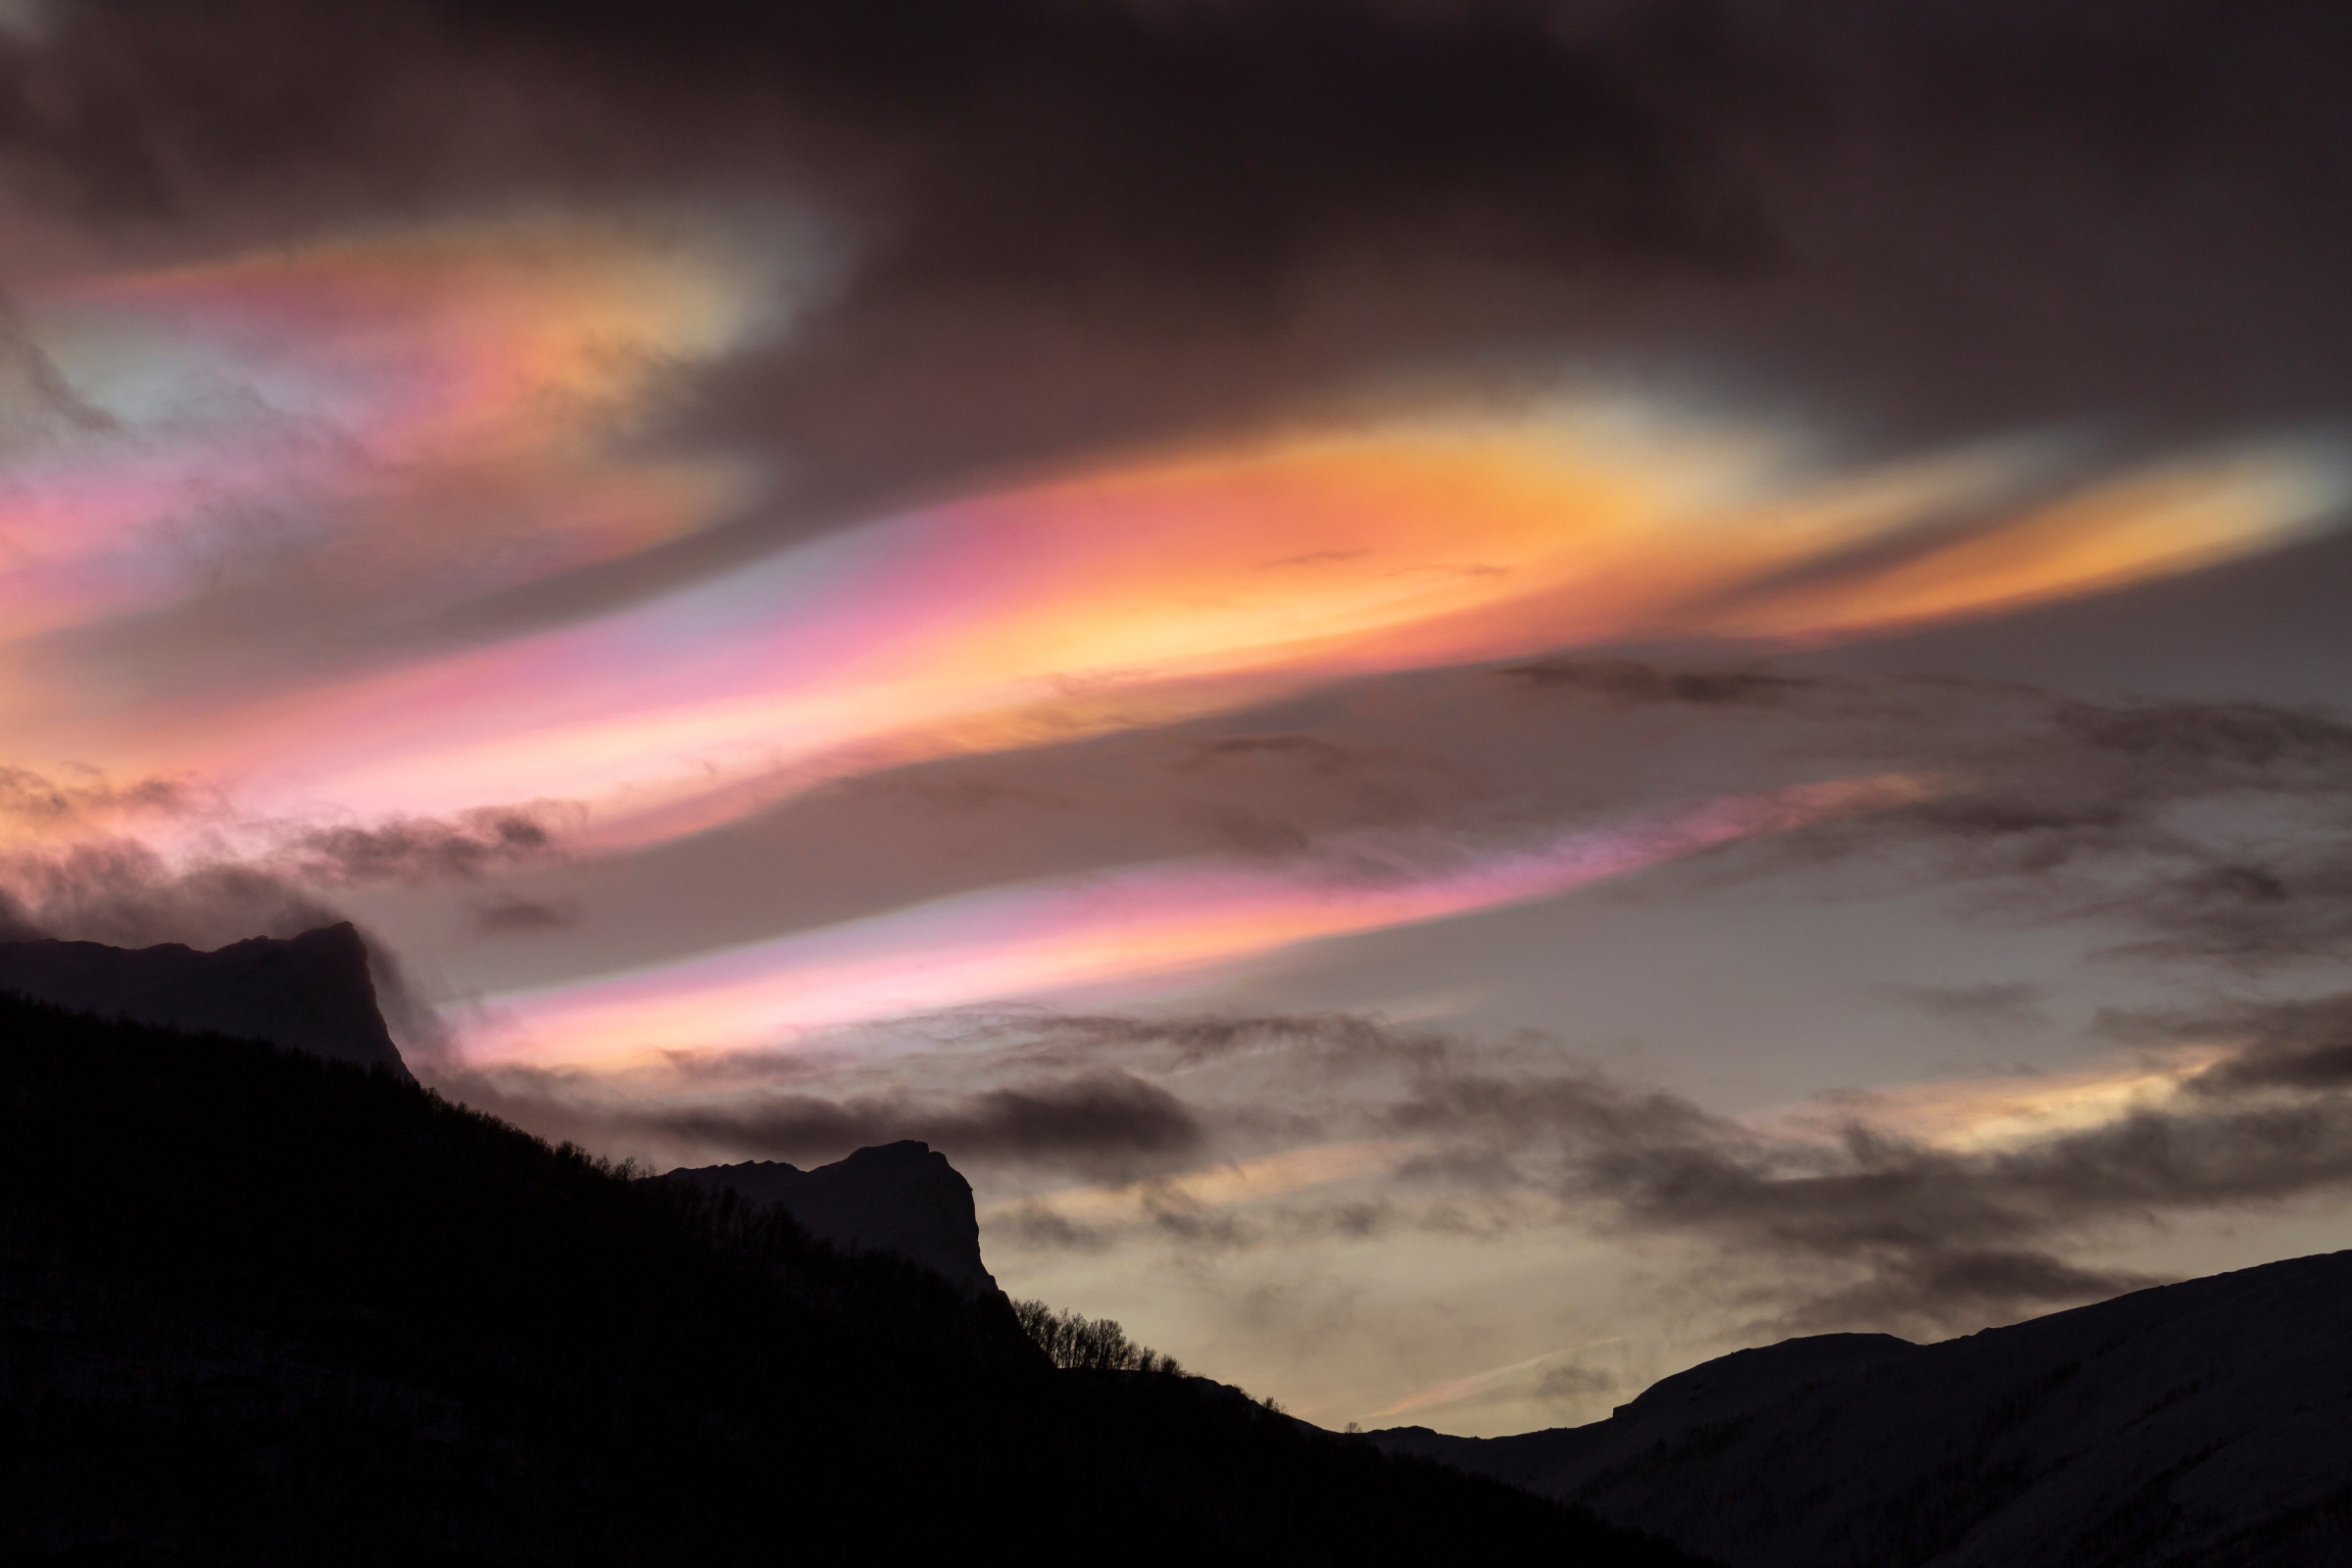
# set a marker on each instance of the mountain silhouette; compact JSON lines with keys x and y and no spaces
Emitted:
{"x":900,"y":1198}
{"x":308,"y":992}
{"x":260,"y":1305}
{"x":2199,"y":1423}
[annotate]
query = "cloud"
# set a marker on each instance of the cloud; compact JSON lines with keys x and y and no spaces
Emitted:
{"x":1085,"y":226}
{"x":120,"y":892}
{"x":1833,"y":1220}
{"x":2206,"y":827}
{"x":507,"y":914}
{"x":1137,"y":926}
{"x":123,"y":893}
{"x":1235,"y":1134}
{"x":2001,"y":1006}
{"x":1099,"y":1120}
{"x":1875,"y":1229}
{"x":1572,"y":1381}
{"x":35,"y":804}
{"x":1634,"y":681}
{"x":2200,"y":829}
{"x":416,"y":849}
{"x":166,"y":858}
{"x":38,"y":405}
{"x":2302,"y":1044}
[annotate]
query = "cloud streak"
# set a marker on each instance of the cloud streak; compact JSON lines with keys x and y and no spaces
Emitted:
{"x":1099,"y":1120}
{"x":1931,"y":1208}
{"x":1142,"y":926}
{"x":1940,"y":1207}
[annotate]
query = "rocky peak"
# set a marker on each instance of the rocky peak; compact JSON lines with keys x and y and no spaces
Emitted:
{"x":900,"y":1198}
{"x":310,"y":992}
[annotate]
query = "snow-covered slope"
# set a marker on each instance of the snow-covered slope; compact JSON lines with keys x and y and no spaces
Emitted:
{"x":2206,"y":1422}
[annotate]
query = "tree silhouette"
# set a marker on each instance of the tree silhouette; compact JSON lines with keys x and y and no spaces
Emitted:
{"x":1076,"y":1343}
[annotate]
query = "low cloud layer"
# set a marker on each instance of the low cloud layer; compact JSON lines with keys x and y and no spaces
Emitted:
{"x":1092,"y":1122}
{"x":1845,"y":1222}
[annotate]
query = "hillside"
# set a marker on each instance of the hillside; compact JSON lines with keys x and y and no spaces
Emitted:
{"x":264,"y":1306}
{"x":2195,"y":1424}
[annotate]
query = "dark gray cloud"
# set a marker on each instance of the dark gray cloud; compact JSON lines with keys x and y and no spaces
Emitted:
{"x":2298,"y":1045}
{"x":1857,"y":1226}
{"x":419,"y":849}
{"x":1878,"y":1229}
{"x":1844,"y":1224}
{"x":1570,"y":1381}
{"x":2213,"y":830}
{"x":509,"y":914}
{"x":1630,"y":680}
{"x":1995,"y":1006}
{"x":1190,"y":1040}
{"x":120,"y":892}
{"x":1096,"y":1121}
{"x":38,"y":405}
{"x":95,"y":880}
{"x":1312,"y":752}
{"x":2216,"y":830}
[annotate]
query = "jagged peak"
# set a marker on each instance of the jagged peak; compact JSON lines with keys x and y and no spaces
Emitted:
{"x":314,"y":991}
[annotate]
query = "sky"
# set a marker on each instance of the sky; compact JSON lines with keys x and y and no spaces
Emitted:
{"x":1475,"y":697}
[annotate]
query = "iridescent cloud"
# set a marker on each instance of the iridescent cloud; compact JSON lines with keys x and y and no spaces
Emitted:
{"x":1167,"y":587}
{"x":410,"y":420}
{"x":1968,"y":1115}
{"x":431,"y":406}
{"x":1136,"y":929}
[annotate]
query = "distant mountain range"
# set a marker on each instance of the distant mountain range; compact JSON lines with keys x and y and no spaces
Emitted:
{"x":898,"y":1197}
{"x":2203,"y":1423}
{"x":309,"y":993}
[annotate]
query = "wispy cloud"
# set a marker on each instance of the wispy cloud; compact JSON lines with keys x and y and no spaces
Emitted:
{"x":1144,"y":926}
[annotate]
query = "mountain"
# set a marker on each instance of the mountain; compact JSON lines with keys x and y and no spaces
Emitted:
{"x":2192,"y":1424}
{"x":898,"y":1197}
{"x":310,"y":992}
{"x":260,"y":1306}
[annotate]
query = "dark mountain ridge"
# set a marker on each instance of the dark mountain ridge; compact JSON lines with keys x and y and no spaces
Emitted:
{"x":902,"y":1197}
{"x":262,"y":1306}
{"x":308,"y":992}
{"x":2203,"y":1423}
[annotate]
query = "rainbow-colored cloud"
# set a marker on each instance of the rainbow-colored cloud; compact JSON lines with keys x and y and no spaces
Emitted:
{"x":393,"y":426}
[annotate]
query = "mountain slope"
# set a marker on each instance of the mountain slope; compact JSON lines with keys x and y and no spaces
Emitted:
{"x":900,"y":1198}
{"x":260,"y":1306}
{"x":2200,"y":1423}
{"x":309,"y":993}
